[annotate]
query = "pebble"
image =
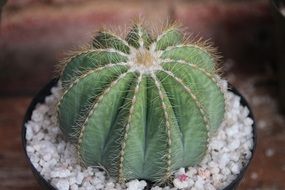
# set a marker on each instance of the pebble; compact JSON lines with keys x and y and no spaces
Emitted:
{"x":29,"y":133}
{"x":79,"y":178}
{"x":74,"y":187}
{"x":136,"y":185}
{"x":62,"y":184}
{"x":60,"y":173}
{"x":180,"y":184}
{"x":234,"y":144}
{"x":199,"y":185}
{"x":224,"y":160}
{"x":54,"y":158}
{"x":217,"y":144}
{"x":235,"y":168}
{"x":37,"y":116}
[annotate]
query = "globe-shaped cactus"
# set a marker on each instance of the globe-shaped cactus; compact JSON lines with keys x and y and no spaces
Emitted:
{"x":143,"y":106}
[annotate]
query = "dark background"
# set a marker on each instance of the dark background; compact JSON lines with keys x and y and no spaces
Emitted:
{"x":36,"y":34}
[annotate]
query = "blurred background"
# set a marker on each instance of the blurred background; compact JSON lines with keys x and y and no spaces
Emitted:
{"x":35,"y":34}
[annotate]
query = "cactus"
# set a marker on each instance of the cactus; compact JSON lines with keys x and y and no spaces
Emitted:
{"x":141,"y":107}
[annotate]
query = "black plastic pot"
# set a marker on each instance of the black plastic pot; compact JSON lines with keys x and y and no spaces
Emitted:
{"x":40,"y":97}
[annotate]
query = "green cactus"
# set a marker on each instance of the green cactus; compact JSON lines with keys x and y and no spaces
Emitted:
{"x":141,"y":107}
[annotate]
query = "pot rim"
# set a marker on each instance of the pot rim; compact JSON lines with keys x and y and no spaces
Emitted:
{"x":45,"y":91}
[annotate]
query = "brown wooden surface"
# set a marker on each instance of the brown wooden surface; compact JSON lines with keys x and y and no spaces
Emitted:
{"x":35,"y":33}
{"x":14,"y":171}
{"x":33,"y":37}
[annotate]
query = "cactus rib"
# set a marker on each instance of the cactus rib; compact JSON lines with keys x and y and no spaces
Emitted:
{"x":125,"y":136}
{"x":167,"y":124}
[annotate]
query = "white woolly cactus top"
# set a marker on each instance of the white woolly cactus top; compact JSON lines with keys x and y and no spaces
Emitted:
{"x":143,"y":106}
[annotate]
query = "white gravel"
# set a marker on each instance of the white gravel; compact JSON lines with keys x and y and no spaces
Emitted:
{"x":55,"y":159}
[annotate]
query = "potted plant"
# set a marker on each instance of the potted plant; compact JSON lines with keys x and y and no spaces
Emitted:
{"x":147,"y":111}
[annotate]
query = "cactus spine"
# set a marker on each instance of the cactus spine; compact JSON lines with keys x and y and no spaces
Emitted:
{"x":141,"y":107}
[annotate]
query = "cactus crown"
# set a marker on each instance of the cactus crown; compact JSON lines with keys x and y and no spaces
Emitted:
{"x":141,"y":107}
